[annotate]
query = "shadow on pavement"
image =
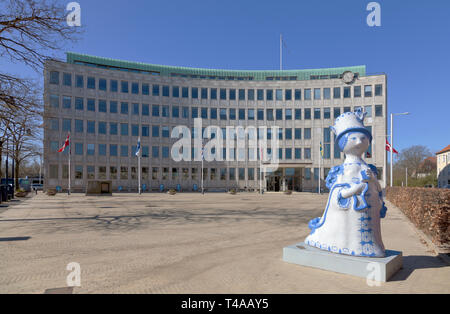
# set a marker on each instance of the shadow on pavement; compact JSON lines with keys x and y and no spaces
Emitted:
{"x":414,"y":262}
{"x":14,"y":239}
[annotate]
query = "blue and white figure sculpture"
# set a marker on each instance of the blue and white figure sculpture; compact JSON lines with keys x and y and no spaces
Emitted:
{"x":350,"y":223}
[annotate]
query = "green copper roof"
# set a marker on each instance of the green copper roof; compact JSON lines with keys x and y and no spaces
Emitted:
{"x":163,"y":70}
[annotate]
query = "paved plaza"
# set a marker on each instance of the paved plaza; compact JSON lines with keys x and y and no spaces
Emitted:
{"x":189,"y":243}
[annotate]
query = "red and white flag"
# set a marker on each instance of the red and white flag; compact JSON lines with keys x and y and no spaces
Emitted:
{"x":66,"y":143}
{"x":388,"y":147}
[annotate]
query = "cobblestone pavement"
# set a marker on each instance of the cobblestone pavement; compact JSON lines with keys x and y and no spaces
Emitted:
{"x":188,"y":243}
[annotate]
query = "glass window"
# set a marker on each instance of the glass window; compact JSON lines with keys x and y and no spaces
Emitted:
{"x":185,"y":112}
{"x":317,"y":114}
{"x":155,"y":90}
{"x":317,"y":93}
{"x":175,"y":112}
{"x":67,"y":102}
{"x":155,"y":110}
{"x":54,"y":101}
{"x":347,"y":92}
{"x":288,"y":134}
{"x":185,"y":92}
{"x":79,"y":103}
{"x":134,"y":130}
{"x":213,"y":93}
{"x":279,"y":114}
{"x":194,"y":93}
{"x":279,"y":94}
{"x":337,"y":92}
{"x":113,"y":149}
{"x":368,"y":110}
{"x":145,"y":89}
{"x":90,"y":149}
{"x":113,"y":128}
{"x":269,"y":113}
{"x":79,"y":126}
{"x":336,"y":112}
{"x":155,"y":151}
{"x":242,"y":94}
{"x":165,"y":152}
{"x":288,"y":153}
{"x":54,"y":124}
{"x":298,"y":114}
{"x":251,"y":114}
{"x":269,"y":94}
{"x":145,"y":130}
{"x":298,"y":133}
{"x":326,"y":113}
{"x":204,"y":93}
{"x":223,"y":113}
{"x":307,"y":133}
{"x":347,"y":109}
{"x":223,"y":94}
{"x":378,"y":110}
{"x":307,"y":113}
{"x":113,"y":86}
{"x":307,"y":173}
{"x":307,"y":94}
{"x":298,"y":94}
{"x":102,"y":150}
{"x":368,"y":91}
{"x":79,"y":81}
{"x":232,"y":114}
{"x":135,"y":88}
{"x":124,"y":108}
{"x":232,"y":94}
{"x":124,"y":173}
{"x":356,"y":91}
{"x":54,"y":77}
{"x":379,"y":90}
{"x":288,"y":114}
{"x":91,"y":82}
{"x":165,"y":111}
{"x":124,"y":129}
{"x":260,"y":114}
{"x":307,"y":153}
{"x":145,"y":110}
{"x":102,"y":128}
{"x":165,"y":131}
{"x":79,"y":149}
{"x":326,"y":93}
{"x":91,"y":104}
{"x":155,"y":131}
{"x":124,"y":87}
{"x":166,"y":91}
{"x":91,"y":127}
{"x":102,"y":105}
{"x":113,"y":172}
{"x":204,"y":113}
{"x":102,"y":84}
{"x":298,"y":153}
{"x":67,"y":79}
{"x":66,"y":125}
{"x":251,"y":94}
{"x":113,"y":106}
{"x":288,"y":94}
{"x":123,"y":150}
{"x":175,"y":92}
{"x":194,"y":112}
{"x":260,"y":94}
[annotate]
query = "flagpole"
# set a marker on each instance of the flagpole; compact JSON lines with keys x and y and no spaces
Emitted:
{"x":203,"y":192}
{"x":139,"y":166}
{"x":70,"y":153}
{"x":281,"y":52}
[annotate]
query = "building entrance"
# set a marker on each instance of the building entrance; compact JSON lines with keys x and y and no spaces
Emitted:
{"x":285,"y":179}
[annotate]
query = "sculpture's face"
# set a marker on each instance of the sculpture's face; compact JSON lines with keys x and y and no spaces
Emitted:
{"x":357,"y":144}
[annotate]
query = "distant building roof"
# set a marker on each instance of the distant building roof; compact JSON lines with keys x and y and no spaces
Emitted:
{"x":444,"y":150}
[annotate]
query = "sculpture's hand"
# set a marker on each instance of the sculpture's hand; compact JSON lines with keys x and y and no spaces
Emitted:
{"x":353,"y":190}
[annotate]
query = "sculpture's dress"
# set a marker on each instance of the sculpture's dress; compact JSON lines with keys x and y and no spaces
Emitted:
{"x":351,"y":225}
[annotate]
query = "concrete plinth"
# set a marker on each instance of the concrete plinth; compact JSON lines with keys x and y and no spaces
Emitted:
{"x":377,"y":269}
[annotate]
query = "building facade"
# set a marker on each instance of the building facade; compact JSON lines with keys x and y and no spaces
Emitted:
{"x":107,"y":105}
{"x":443,"y":167}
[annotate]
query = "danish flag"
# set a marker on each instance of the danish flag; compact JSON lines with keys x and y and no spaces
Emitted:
{"x":66,"y":143}
{"x":388,"y":147}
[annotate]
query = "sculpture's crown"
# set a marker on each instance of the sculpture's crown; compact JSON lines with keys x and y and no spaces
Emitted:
{"x":350,"y":122}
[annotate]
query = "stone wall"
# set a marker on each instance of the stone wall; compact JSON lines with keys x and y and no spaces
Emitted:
{"x":427,"y":208}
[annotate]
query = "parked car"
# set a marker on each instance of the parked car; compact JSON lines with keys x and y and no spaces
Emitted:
{"x":38,"y":187}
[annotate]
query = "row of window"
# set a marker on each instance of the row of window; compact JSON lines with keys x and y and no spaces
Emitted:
{"x":215,"y":93}
{"x":168,"y":173}
{"x":185,"y":112}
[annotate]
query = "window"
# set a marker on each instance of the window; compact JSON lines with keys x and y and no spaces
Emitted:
{"x":326,"y":113}
{"x":54,"y":77}
{"x":242,"y":94}
{"x":124,"y":129}
{"x":260,"y":94}
{"x":155,"y":110}
{"x":251,"y":114}
{"x":113,"y":150}
{"x":232,"y":114}
{"x":124,"y":173}
{"x":307,"y":173}
{"x":166,"y":91}
{"x":91,"y":127}
{"x":279,"y":94}
{"x":165,"y":152}
{"x":368,"y":91}
{"x":194,"y":93}
{"x":336,"y":92}
{"x":223,"y":94}
{"x":317,"y":114}
{"x":91,"y":82}
{"x":298,"y":114}
{"x":185,"y":112}
{"x":102,"y":128}
{"x":347,"y":92}
{"x":79,"y":103}
{"x":356,"y":91}
{"x":185,"y":92}
{"x":194,"y":112}
{"x":165,"y":111}
{"x":91,"y":104}
{"x":288,"y":94}
{"x":251,"y":94}
{"x":279,"y":114}
{"x":102,"y":150}
{"x":326,"y":143}
{"x":145,"y":110}
{"x":307,"y":153}
{"x":67,"y":79}
{"x":232,"y":94}
{"x":317,"y":93}
{"x":337,"y":150}
{"x":260,"y":114}
{"x":54,"y":146}
{"x":145,"y":130}
{"x":378,"y":110}
{"x":102,"y":105}
{"x":155,"y":90}
{"x":288,"y":114}
{"x":54,"y":124}
{"x":145,"y":89}
{"x":269,"y":113}
{"x":213,"y":93}
{"x":67,"y":102}
{"x":79,"y":81}
{"x":288,"y":134}
{"x":79,"y":126}
{"x":336,"y":112}
{"x":241,"y":173}
{"x":298,"y":133}
{"x":298,"y":153}
{"x":66,"y":125}
{"x":269,"y":94}
{"x":307,"y":94}
{"x":175,"y":112}
{"x":307,"y":133}
{"x":379,"y":90}
{"x":204,"y":113}
{"x":326,"y":93}
{"x":298,"y":94}
{"x":113,"y":86}
{"x":124,"y":108}
{"x":204,"y":93}
{"x":90,"y":149}
{"x":113,"y":106}
{"x":368,"y":110}
{"x":251,"y":173}
{"x":288,"y":153}
{"x":307,"y":113}
{"x":123,"y":150}
{"x":113,"y":173}
{"x":165,"y":131}
{"x":54,"y":101}
{"x":155,"y":131}
{"x":155,"y":151}
{"x":78,"y":172}
{"x":124,"y":87}
{"x":134,"y":130}
{"x":347,"y":109}
{"x":102,"y":84}
{"x":175,"y":92}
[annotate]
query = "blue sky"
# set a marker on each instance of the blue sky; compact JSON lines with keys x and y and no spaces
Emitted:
{"x":412,"y":46}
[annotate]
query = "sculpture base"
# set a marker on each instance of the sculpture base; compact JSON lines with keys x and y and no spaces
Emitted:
{"x":377,"y":269}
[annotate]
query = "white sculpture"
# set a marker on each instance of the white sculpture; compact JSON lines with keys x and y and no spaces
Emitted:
{"x":350,"y":223}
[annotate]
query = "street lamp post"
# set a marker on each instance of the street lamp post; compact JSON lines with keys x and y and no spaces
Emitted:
{"x":392,"y":142}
